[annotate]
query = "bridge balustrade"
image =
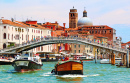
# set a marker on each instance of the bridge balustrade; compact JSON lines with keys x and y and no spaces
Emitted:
{"x":64,"y":38}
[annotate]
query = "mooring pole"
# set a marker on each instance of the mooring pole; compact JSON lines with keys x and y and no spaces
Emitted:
{"x":127,"y":59}
{"x":95,"y":57}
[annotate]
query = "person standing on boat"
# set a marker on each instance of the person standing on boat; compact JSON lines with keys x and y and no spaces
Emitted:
{"x":66,"y":58}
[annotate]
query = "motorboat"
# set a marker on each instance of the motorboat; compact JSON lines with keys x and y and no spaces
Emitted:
{"x":27,"y":62}
{"x":6,"y":60}
{"x":68,"y":67}
{"x":83,"y":58}
{"x":106,"y":61}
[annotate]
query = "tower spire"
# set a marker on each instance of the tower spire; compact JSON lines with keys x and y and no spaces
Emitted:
{"x":84,"y":8}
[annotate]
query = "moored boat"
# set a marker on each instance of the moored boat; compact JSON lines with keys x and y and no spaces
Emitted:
{"x":68,"y":67}
{"x":6,"y":61}
{"x":106,"y":61}
{"x":84,"y":58}
{"x":27,"y":62}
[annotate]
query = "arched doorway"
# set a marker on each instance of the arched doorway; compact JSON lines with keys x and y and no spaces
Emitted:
{"x":4,"y":45}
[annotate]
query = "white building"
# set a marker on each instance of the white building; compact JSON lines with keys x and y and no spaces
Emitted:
{"x":15,"y":33}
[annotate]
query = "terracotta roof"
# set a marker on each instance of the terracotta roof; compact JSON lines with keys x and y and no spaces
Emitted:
{"x":15,"y":23}
{"x":128,"y":42}
{"x":22,"y":24}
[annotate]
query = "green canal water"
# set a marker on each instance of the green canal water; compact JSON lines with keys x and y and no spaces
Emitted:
{"x":93,"y":73}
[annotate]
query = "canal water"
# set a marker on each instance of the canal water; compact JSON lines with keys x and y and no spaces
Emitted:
{"x":93,"y":73}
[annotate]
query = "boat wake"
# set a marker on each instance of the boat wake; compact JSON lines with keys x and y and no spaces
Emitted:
{"x":69,"y":75}
{"x":11,"y":71}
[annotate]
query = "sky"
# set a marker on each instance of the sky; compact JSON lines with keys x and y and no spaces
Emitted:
{"x":114,"y":13}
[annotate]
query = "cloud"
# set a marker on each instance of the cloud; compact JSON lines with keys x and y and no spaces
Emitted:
{"x":119,"y":16}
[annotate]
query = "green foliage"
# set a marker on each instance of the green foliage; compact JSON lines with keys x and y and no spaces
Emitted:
{"x":8,"y":45}
{"x":12,"y":44}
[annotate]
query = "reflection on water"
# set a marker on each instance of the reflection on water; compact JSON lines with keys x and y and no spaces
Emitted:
{"x":68,"y":79}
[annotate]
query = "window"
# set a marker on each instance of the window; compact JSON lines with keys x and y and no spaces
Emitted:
{"x":8,"y":36}
{"x":28,"y":30}
{"x":90,"y":32}
{"x":96,"y":32}
{"x":22,"y":36}
{"x":4,"y":27}
{"x":4,"y":36}
{"x":22,"y":30}
{"x":41,"y":32}
{"x":105,"y":31}
{"x":110,"y":31}
{"x":15,"y":29}
{"x":28,"y":37}
{"x":74,"y":51}
{"x":12,"y":36}
{"x":12,"y":28}
{"x":74,"y":46}
{"x":32,"y":30}
{"x":79,"y":46}
{"x":87,"y":51}
{"x":71,"y":15}
{"x":42,"y":48}
{"x":79,"y":51}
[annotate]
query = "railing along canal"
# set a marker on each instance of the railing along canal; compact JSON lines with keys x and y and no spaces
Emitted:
{"x":85,"y":40}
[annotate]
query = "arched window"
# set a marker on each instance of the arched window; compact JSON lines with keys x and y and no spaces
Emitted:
{"x":8,"y":37}
{"x":105,"y":31}
{"x":4,"y":36}
{"x":12,"y":36}
{"x":42,"y":48}
{"x":73,"y":15}
{"x":110,"y":31}
{"x":22,"y":36}
{"x":4,"y":45}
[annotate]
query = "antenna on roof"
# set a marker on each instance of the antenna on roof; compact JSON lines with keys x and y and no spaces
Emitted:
{"x":73,"y":7}
{"x":27,"y":18}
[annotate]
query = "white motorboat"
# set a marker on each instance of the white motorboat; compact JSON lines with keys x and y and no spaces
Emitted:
{"x":27,"y":62}
{"x":106,"y":61}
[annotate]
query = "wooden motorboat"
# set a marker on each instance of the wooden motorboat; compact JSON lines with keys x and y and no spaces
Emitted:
{"x":68,"y":67}
{"x":27,"y":62}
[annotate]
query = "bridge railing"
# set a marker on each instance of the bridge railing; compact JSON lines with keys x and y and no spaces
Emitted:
{"x":65,"y":38}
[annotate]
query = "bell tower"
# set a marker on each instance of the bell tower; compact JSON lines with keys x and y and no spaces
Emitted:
{"x":73,"y":18}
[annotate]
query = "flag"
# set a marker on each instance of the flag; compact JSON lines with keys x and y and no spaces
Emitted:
{"x":60,"y":49}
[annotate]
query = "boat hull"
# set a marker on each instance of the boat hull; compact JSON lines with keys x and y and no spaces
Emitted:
{"x":26,"y":65}
{"x":70,"y":67}
{"x":5,"y":63}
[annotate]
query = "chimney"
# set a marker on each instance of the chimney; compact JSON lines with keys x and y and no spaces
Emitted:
{"x":12,"y":19}
{"x":1,"y":21}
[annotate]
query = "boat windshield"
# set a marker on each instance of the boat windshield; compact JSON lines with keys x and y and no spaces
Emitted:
{"x":27,"y":55}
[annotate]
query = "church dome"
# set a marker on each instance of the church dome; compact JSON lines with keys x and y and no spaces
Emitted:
{"x":85,"y":21}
